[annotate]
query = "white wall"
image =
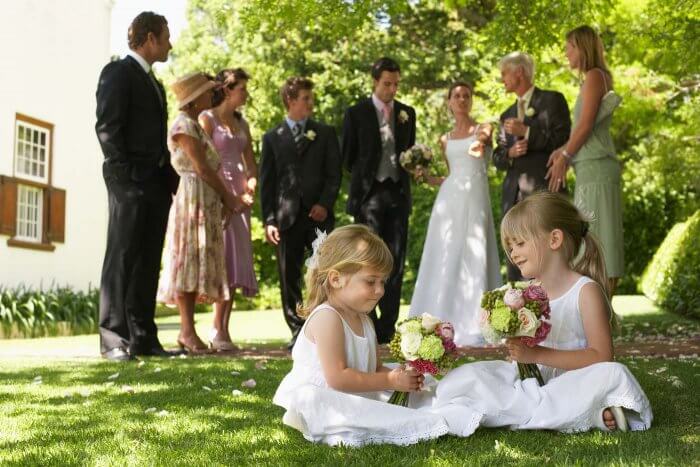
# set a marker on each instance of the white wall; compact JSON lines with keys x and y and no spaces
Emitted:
{"x":51,"y":53}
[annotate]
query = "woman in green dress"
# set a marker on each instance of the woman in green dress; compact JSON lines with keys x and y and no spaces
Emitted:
{"x":591,"y":152}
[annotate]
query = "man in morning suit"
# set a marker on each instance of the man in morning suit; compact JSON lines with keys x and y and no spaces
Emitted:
{"x":534,"y":126}
{"x":132,"y":129}
{"x":376,"y":131}
{"x":300,"y":173}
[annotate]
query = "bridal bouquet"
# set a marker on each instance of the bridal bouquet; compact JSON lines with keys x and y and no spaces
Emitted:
{"x":424,"y":343}
{"x":416,"y":158}
{"x":517,"y":310}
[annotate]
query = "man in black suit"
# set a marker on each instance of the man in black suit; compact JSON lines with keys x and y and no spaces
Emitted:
{"x":375,"y":132}
{"x":300,"y":173}
{"x":534,"y":126}
{"x":132,"y":130}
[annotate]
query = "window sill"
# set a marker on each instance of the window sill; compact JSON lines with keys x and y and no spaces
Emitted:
{"x":30,"y":245}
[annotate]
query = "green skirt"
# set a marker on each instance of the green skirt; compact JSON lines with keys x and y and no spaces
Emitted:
{"x":599,"y":191}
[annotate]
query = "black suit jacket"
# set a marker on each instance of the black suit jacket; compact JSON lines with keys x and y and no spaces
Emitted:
{"x":292,"y":179}
{"x":362,"y":148}
{"x":132,"y":125}
{"x":549,"y":129}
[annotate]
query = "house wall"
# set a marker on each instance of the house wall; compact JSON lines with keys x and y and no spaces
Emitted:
{"x":52,"y":53}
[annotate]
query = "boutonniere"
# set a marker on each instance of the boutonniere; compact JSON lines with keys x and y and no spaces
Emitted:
{"x":310,"y":135}
{"x":280,"y":130}
{"x":403,"y":116}
{"x":530,"y":112}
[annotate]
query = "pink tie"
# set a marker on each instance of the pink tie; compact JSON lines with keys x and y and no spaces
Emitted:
{"x":386,"y":110}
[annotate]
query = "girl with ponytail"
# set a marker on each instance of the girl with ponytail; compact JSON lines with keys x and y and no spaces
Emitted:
{"x":548,"y":239}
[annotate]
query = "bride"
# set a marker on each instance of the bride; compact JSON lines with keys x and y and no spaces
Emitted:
{"x":460,"y":255}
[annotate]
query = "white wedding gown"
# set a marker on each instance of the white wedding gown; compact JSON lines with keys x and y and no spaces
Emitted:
{"x":460,"y":255}
{"x":570,"y":401}
{"x":324,"y":415}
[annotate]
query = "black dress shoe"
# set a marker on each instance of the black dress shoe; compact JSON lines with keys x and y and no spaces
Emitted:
{"x":156,"y":352}
{"x":118,"y":354}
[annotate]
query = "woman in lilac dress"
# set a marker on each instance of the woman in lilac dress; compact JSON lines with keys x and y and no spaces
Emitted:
{"x":231,"y":135}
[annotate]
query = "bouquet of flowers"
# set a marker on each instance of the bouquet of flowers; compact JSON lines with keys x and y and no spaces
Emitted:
{"x":424,"y":343}
{"x":517,"y":310}
{"x":416,"y":158}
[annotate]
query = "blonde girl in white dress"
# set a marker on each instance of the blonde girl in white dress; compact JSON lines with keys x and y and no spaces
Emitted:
{"x":543,"y":235}
{"x":337,"y":389}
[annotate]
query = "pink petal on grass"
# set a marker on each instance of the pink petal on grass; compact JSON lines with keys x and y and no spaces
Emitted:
{"x":249,"y":383}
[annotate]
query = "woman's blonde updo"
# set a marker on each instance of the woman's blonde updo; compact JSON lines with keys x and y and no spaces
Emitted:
{"x":346,"y":250}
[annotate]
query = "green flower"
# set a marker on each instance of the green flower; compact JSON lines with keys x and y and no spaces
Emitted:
{"x":501,"y":318}
{"x":431,"y":348}
{"x":411,"y":325}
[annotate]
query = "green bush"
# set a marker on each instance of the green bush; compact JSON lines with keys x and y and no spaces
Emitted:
{"x":25,"y":312}
{"x":672,"y":278}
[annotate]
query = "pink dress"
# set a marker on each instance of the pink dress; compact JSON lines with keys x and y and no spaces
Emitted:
{"x":238,"y":242}
{"x":192,"y":258}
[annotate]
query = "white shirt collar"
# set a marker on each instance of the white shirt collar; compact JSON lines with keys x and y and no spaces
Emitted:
{"x":141,"y":61}
{"x":527,"y":96}
{"x":379,"y":104}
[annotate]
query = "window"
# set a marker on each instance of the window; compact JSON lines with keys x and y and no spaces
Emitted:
{"x":29,"y":213}
{"x":32,"y":210}
{"x":32,"y":147}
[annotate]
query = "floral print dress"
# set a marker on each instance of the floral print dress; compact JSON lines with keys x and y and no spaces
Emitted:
{"x":193,"y":258}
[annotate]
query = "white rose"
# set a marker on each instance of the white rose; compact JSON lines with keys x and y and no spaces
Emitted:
{"x":530,"y":112}
{"x":310,"y":135}
{"x":403,"y":116}
{"x":528,"y":323}
{"x":410,"y":343}
{"x":429,"y":322}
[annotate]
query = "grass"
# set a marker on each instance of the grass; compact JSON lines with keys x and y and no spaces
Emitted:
{"x":78,"y":415}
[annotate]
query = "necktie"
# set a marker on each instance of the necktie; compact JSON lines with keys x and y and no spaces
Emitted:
{"x":521,"y":109}
{"x":154,"y":82}
{"x":386,"y":110}
{"x":298,"y":135}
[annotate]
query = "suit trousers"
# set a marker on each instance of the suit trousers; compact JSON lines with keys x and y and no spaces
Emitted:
{"x":138,"y":217}
{"x":386,"y":211}
{"x":292,"y":247}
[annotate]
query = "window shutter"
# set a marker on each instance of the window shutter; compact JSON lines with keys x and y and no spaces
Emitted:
{"x":8,"y":206}
{"x":57,"y":215}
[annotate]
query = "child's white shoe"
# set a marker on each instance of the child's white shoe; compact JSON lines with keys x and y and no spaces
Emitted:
{"x":620,"y":418}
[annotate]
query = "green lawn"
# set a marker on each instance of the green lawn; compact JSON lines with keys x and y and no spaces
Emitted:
{"x":75,"y":414}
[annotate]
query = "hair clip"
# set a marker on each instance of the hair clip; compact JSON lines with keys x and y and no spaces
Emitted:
{"x":312,"y":262}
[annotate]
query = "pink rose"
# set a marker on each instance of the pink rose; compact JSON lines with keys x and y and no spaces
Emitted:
{"x":445,"y":330}
{"x":484,"y":316}
{"x":535,"y":293}
{"x":540,"y":335}
{"x":513,"y":298}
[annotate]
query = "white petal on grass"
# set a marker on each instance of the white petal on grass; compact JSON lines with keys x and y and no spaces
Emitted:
{"x":113,"y":376}
{"x":157,"y":370}
{"x":37,"y":378}
{"x":235,"y":373}
{"x":128,"y":389}
{"x":163,"y":413}
{"x":150,"y":410}
{"x":249,"y":383}
{"x":109,"y":383}
{"x":87,"y":393}
{"x":236,"y":393}
{"x":141,"y":363}
{"x":206,"y":388}
{"x":183,"y":355}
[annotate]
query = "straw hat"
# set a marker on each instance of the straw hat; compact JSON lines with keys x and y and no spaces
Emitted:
{"x":190,"y":87}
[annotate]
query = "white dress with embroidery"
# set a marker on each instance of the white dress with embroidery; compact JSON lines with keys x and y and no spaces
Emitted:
{"x":570,"y":401}
{"x":325,"y":415}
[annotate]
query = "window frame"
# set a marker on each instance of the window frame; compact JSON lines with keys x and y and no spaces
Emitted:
{"x":33,"y":124}
{"x":39,"y":238}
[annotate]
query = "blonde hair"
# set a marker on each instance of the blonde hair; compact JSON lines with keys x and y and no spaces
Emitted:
{"x":542,"y":212}
{"x":346,"y":250}
{"x":590,"y":46}
{"x":519,"y":59}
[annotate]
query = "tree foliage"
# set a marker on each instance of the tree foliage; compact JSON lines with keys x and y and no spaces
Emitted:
{"x":648,"y":44}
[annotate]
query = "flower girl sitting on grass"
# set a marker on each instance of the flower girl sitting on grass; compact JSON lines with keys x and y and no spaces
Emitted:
{"x":337,"y":389}
{"x":547,"y":238}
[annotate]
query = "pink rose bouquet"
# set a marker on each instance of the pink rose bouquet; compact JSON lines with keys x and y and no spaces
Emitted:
{"x":424,"y":343}
{"x":517,"y":310}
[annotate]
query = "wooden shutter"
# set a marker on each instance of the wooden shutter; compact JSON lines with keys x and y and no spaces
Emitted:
{"x":57,"y":215}
{"x":8,"y":205}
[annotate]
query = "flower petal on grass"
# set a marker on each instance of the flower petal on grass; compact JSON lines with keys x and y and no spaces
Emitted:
{"x":206,"y":388}
{"x":235,"y":373}
{"x":150,"y":410}
{"x":163,"y":413}
{"x":249,"y":383}
{"x":236,"y":392}
{"x":113,"y":376}
{"x":128,"y":389}
{"x":157,"y":370}
{"x":141,"y":363}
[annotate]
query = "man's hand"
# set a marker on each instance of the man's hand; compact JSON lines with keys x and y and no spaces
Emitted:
{"x":515,"y":127}
{"x":272,"y":234}
{"x":318,"y":213}
{"x":518,"y":149}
